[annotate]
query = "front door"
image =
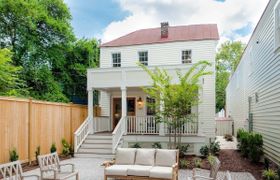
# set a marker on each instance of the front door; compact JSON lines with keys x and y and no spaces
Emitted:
{"x":117,"y":109}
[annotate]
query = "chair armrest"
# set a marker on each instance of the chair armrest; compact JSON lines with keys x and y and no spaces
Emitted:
{"x":28,"y":176}
{"x":202,"y":177}
{"x":68,"y":164}
{"x":108,"y":163}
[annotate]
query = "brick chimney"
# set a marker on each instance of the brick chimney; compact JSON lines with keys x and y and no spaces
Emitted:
{"x":164,"y":29}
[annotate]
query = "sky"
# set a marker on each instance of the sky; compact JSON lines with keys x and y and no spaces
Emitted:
{"x":110,"y":19}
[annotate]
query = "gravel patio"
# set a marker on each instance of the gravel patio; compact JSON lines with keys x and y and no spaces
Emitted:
{"x":91,"y":169}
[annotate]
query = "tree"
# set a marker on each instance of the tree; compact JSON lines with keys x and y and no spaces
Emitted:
{"x":83,"y":54}
{"x":227,"y":60}
{"x":10,"y":84}
{"x":173,"y":102}
{"x":38,"y":33}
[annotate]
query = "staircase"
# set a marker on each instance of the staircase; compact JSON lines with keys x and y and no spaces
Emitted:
{"x":96,"y":145}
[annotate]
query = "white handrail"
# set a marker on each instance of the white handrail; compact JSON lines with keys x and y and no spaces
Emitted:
{"x":118,"y":132}
{"x":81,"y":133}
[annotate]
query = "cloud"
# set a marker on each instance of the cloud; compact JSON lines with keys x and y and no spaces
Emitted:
{"x":236,"y":19}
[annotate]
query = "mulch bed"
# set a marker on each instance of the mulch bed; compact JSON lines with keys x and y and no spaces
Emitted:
{"x":232,"y":160}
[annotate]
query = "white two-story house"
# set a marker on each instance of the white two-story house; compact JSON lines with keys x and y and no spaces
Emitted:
{"x":125,"y":116}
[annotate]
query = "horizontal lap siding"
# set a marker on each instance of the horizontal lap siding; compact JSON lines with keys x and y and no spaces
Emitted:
{"x":265,"y":81}
{"x":159,"y":54}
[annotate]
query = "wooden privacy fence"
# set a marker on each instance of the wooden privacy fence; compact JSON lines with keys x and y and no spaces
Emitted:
{"x":26,"y":124}
{"x":224,"y":126}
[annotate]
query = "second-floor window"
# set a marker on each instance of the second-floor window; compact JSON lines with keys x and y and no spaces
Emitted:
{"x":116,"y":58}
{"x":187,"y":56}
{"x":143,"y":57}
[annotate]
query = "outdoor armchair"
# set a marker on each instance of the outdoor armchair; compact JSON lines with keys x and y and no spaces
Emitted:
{"x":13,"y":170}
{"x":51,"y":168}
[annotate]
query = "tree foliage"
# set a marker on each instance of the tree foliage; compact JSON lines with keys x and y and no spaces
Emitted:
{"x":227,"y":60}
{"x":10,"y":84}
{"x":42,"y":41}
{"x":173,"y":101}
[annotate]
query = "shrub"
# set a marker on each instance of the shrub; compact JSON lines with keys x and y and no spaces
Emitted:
{"x":243,"y":144}
{"x":136,"y":145}
{"x":13,"y":155}
{"x":212,"y":148}
{"x":228,"y":137}
{"x":53,"y":148}
{"x":157,"y":145}
{"x":211,"y":159}
{"x":184,"y":163}
{"x":37,"y":153}
{"x":266,"y":163}
{"x":269,"y":174}
{"x":66,"y":147}
{"x":197,"y":162}
{"x":278,"y":172}
{"x":204,"y":151}
{"x":250,"y":144}
{"x":255,"y":147}
{"x":183,"y":150}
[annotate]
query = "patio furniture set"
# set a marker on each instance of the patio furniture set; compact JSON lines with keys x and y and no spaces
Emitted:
{"x":129,"y":163}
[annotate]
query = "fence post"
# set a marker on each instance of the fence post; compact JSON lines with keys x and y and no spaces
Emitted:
{"x":29,"y":130}
{"x":71,"y":125}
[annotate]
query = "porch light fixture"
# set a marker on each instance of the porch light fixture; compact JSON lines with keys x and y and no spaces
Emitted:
{"x":140,"y":103}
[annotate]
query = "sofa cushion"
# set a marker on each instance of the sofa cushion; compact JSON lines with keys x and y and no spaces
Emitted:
{"x":118,"y":170}
{"x":145,"y":157}
{"x":161,"y":172}
{"x":165,"y":157}
{"x":125,"y":156}
{"x":139,"y":170}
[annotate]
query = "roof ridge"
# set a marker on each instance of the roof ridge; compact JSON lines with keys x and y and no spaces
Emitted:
{"x":124,"y":40}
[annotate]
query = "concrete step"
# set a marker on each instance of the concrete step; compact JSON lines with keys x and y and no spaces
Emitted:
{"x":97,"y":145}
{"x":92,"y":136}
{"x":95,"y":151}
{"x":98,"y":141}
{"x":89,"y":155}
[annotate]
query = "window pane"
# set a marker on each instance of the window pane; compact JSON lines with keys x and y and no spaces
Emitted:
{"x":116,"y":59}
{"x":186,"y":56}
{"x":143,"y":57}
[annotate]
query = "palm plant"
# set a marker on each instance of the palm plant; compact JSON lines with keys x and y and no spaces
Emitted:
{"x":174,"y":101}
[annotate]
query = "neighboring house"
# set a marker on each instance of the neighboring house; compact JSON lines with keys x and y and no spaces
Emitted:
{"x":119,"y":80}
{"x":253,"y":93}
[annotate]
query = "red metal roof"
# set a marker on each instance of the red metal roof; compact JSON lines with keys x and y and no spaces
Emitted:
{"x":175,"y":33}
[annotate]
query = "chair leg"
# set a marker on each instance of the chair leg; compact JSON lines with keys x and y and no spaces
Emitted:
{"x":77,"y":176}
{"x":105,"y":177}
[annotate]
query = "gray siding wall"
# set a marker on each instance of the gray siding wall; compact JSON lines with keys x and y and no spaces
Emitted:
{"x":259,"y":73}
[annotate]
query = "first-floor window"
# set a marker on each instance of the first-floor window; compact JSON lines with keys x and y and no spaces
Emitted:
{"x":143,"y":57}
{"x":150,"y":106}
{"x":187,"y":56}
{"x":116,"y":58}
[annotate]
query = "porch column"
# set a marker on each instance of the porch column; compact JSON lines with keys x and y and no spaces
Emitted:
{"x":161,"y":125}
{"x":124,"y":105}
{"x":90,"y":109}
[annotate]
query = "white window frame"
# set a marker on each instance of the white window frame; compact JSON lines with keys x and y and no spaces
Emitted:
{"x":116,"y":64}
{"x":142,"y":59}
{"x":186,"y":58}
{"x":277,"y":26}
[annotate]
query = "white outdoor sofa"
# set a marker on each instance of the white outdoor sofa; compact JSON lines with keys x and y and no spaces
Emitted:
{"x":153,"y":164}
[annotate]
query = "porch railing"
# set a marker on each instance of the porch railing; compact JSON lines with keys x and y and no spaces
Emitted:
{"x":117,"y":134}
{"x":142,"y":125}
{"x":148,"y":125}
{"x":81,"y":134}
{"x":188,"y":128}
{"x":101,"y":124}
